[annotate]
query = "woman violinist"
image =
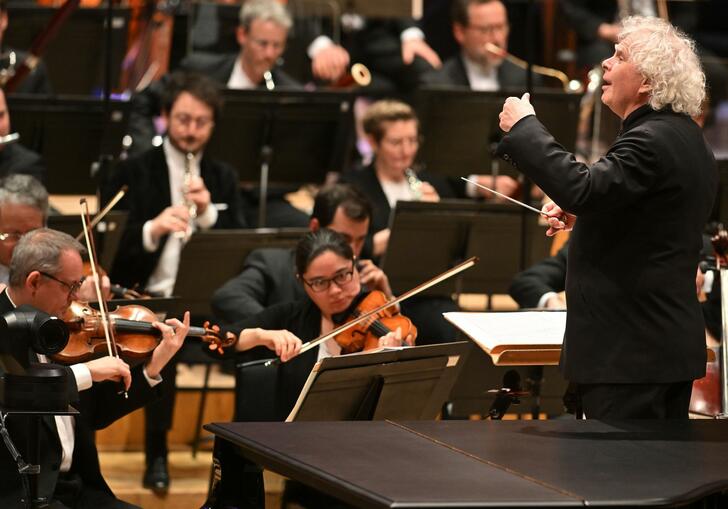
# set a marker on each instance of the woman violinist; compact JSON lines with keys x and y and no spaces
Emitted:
{"x":327,"y":270}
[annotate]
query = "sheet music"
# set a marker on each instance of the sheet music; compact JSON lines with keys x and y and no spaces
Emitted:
{"x":525,"y":328}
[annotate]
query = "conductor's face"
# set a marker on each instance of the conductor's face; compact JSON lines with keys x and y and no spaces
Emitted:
{"x":624,"y":89}
{"x":262,"y":45}
{"x":190,"y":123}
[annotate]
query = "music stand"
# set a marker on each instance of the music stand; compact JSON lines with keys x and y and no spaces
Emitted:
{"x":460,"y":127}
{"x":454,"y":230}
{"x":75,"y":65}
{"x":228,"y":249}
{"x":108,"y":231}
{"x":407,"y":384}
{"x":72,"y":134}
{"x":283,"y":137}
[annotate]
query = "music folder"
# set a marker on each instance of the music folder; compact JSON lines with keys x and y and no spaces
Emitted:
{"x":515,"y":338}
{"x":409,"y":383}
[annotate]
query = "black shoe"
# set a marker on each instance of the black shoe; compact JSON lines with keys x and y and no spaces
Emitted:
{"x":156,"y":476}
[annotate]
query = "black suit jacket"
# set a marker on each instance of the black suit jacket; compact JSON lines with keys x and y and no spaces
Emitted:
{"x":99,"y":406}
{"x":37,"y":81}
{"x":147,"y":177}
{"x":15,"y":158}
{"x":268,"y":277}
{"x":630,"y":286}
{"x":453,"y":73}
{"x":548,"y":275}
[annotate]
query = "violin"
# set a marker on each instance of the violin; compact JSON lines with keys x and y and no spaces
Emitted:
{"x":135,"y":336}
{"x":365,"y":335}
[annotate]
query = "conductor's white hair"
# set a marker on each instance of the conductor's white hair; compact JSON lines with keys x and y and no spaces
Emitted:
{"x":667,"y":58}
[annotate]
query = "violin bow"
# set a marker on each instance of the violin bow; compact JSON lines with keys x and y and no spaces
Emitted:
{"x":410,"y":293}
{"x":103,"y":309}
{"x":102,"y":213}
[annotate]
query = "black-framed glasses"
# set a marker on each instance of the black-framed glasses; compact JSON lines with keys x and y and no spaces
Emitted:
{"x":72,"y":287}
{"x":322,"y":284}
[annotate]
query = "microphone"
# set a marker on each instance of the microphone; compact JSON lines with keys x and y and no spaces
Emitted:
{"x":507,"y":395}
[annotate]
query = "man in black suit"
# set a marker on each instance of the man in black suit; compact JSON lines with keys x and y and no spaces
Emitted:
{"x":474,"y":24}
{"x":46,"y":272}
{"x":262,"y":34}
{"x":173,"y":190}
{"x":15,"y":158}
{"x":269,"y":276}
{"x":634,"y":337}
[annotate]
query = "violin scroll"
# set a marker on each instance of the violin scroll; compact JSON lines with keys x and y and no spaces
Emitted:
{"x":213,"y":335}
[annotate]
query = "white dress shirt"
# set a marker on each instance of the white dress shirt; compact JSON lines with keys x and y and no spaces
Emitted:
{"x":164,"y":276}
{"x":480,"y":77}
{"x":238,"y":79}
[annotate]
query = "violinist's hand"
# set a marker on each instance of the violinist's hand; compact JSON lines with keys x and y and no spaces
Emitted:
{"x":173,"y":336}
{"x":170,"y":220}
{"x":285,"y":344}
{"x":373,"y":277}
{"x":394,"y":338}
{"x":330,"y":63}
{"x":557,"y":219}
{"x":429,"y":193}
{"x":199,"y":194}
{"x":110,"y":368}
{"x":87,"y":292}
{"x":418,"y":47}
{"x":514,"y":109}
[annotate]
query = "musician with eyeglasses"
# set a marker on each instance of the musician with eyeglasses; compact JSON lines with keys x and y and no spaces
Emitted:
{"x":475,"y":23}
{"x":24,"y":208}
{"x":164,"y":187}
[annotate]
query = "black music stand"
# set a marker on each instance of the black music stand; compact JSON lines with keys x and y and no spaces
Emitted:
{"x":408,"y":383}
{"x":213,"y":257}
{"x":283,"y":137}
{"x":460,"y":127}
{"x":76,"y":61}
{"x":73,"y":134}
{"x":108,"y":231}
{"x":454,"y":230}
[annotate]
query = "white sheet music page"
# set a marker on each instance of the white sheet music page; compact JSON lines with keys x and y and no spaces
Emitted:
{"x":524,"y":329}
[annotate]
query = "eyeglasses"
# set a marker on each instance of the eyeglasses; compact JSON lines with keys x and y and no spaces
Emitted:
{"x":490,"y":29}
{"x":14,"y":236}
{"x":187,"y":120}
{"x":263,"y":44}
{"x":322,"y":284}
{"x":73,"y":288}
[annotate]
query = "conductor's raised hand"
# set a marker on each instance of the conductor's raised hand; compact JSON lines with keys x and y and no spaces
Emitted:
{"x":514,"y":109}
{"x":557,"y":219}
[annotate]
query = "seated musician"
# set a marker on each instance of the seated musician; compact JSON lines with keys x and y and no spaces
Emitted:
{"x":37,"y":81}
{"x":45,"y":273}
{"x":392,"y":130}
{"x":23,"y":208}
{"x":14,"y":157}
{"x":268,"y":276}
{"x":173,"y":190}
{"x":327,"y":271}
{"x":264,"y":26}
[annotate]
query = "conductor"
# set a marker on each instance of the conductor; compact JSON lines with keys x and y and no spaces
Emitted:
{"x":634,"y":337}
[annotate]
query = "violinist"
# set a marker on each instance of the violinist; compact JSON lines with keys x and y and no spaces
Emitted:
{"x":45,"y":272}
{"x":173,"y":190}
{"x":23,"y":208}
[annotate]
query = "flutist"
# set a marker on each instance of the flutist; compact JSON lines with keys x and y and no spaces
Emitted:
{"x":634,"y":334}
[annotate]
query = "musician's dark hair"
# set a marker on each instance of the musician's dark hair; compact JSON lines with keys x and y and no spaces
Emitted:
{"x":328,"y":200}
{"x":314,"y":244}
{"x":199,"y":86}
{"x":459,"y":10}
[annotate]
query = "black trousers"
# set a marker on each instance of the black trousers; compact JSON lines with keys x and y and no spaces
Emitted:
{"x":636,"y":401}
